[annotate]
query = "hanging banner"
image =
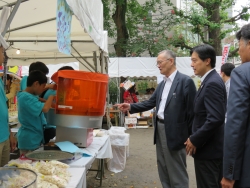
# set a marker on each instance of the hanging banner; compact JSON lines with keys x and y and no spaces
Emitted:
{"x":63,"y":21}
{"x":225,"y":52}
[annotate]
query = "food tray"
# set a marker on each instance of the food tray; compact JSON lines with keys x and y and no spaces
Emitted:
{"x":20,"y":177}
{"x":49,"y":155}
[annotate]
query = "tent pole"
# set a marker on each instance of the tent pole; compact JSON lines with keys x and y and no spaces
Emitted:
{"x":5,"y":71}
{"x":28,"y":58}
{"x":12,"y":14}
{"x":101,"y":60}
{"x":47,"y":41}
{"x":81,"y":63}
{"x":106,"y":64}
{"x":30,"y":25}
{"x":108,"y":95}
{"x":83,"y":58}
{"x":11,"y":4}
{"x":95,"y":60}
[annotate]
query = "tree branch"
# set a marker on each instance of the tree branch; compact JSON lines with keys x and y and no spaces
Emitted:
{"x":232,"y":53}
{"x":201,"y":3}
{"x":187,"y":47}
{"x":237,"y":17}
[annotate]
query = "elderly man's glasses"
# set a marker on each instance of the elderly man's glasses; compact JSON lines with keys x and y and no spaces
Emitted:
{"x":158,"y":63}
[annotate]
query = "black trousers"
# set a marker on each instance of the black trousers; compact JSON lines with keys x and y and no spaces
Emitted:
{"x":49,"y":133}
{"x":208,"y":173}
{"x":237,"y":186}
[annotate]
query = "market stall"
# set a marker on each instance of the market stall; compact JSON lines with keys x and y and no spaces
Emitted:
{"x":33,"y":31}
{"x":36,"y":31}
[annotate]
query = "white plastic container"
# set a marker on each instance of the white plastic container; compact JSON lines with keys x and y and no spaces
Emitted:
{"x":120,"y":149}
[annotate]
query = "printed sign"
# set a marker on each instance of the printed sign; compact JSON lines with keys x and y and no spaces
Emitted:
{"x":225,"y":53}
{"x":130,"y":120}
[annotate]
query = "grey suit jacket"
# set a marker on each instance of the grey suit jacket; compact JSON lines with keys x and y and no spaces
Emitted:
{"x":178,"y":113}
{"x":236,"y":164}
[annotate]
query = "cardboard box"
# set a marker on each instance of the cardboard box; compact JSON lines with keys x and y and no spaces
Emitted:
{"x":130,"y":122}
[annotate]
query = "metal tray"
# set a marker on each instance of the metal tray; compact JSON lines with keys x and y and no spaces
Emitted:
{"x":9,"y":173}
{"x":49,"y":155}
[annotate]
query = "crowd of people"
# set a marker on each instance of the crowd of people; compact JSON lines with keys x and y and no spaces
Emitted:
{"x":211,"y":124}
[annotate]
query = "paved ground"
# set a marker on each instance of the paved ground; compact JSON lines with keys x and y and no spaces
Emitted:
{"x":141,"y":169}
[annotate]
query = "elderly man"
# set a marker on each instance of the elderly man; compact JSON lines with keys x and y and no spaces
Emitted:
{"x":236,"y":163}
{"x":173,"y":99}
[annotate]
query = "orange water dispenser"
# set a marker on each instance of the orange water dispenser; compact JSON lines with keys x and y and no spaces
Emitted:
{"x":80,"y":93}
{"x":80,"y":105}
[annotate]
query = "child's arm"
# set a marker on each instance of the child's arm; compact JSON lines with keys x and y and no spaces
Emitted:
{"x":12,"y":141}
{"x":51,"y":86}
{"x":48,"y":104}
{"x":41,"y":99}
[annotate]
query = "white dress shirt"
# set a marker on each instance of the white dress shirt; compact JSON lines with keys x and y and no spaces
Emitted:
{"x":227,"y":84}
{"x":168,"y":83}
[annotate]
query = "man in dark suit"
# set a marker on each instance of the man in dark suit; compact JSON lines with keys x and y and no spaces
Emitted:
{"x":206,"y":141}
{"x":236,"y":163}
{"x":173,"y":99}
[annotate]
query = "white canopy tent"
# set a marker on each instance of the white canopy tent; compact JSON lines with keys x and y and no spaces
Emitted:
{"x":33,"y":30}
{"x":146,"y":66}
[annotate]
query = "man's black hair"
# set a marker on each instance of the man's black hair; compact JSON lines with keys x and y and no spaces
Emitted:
{"x":62,"y":68}
{"x":204,"y":52}
{"x":39,"y":66}
{"x":36,"y":75}
{"x":244,"y":33}
{"x":227,"y":68}
{"x":66,"y":68}
{"x":132,"y":89}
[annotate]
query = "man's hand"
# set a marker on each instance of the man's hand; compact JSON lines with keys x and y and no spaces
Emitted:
{"x":12,"y":142}
{"x":190,"y":148}
{"x":124,"y":107}
{"x":226,"y":183}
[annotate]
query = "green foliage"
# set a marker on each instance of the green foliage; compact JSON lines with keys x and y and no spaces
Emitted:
{"x":141,"y":87}
{"x":157,"y":25}
{"x":235,"y":50}
{"x":208,"y":18}
{"x":113,"y":92}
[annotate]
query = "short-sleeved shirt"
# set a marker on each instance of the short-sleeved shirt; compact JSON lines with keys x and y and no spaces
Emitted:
{"x":4,"y":117}
{"x":48,"y":93}
{"x":30,"y":116}
{"x":23,"y":83}
{"x":46,"y":96}
{"x":23,"y":86}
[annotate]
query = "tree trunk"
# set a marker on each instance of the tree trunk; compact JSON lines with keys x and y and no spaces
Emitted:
{"x":214,"y":34}
{"x":122,"y":33}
